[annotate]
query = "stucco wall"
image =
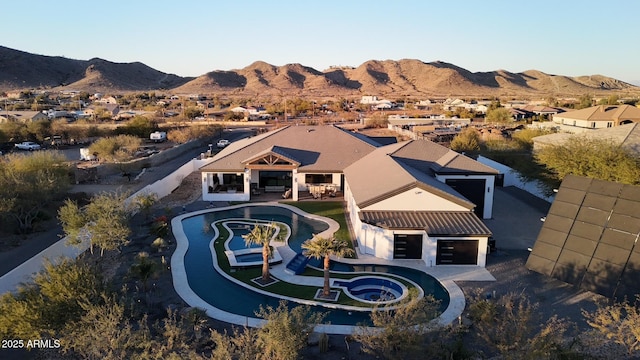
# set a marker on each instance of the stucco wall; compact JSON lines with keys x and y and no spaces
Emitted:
{"x":513,"y":178}
{"x":416,"y":199}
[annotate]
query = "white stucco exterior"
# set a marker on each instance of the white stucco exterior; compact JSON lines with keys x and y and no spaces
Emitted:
{"x":379,"y":242}
{"x":416,"y":199}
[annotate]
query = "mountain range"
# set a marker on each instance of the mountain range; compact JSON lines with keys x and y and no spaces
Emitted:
{"x":406,"y":77}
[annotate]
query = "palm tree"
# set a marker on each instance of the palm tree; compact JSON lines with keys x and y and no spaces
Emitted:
{"x":319,"y":248}
{"x":261,"y":235}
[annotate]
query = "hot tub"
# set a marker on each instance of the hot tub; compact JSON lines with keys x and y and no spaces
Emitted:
{"x":373,"y":289}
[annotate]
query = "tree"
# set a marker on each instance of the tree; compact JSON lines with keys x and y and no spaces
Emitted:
{"x":499,"y":115}
{"x":468,"y":140}
{"x":104,"y":331}
{"x":144,"y":269}
{"x":585,"y":101}
{"x":594,"y":158}
{"x":322,"y":248}
{"x":286,"y":331}
{"x":28,"y":182}
{"x":138,"y":126}
{"x":118,"y":148}
{"x":619,"y":322}
{"x":193,"y":112}
{"x":44,"y":307}
{"x":261,"y":234}
{"x":511,"y":326}
{"x":145,"y":201}
{"x":103,"y":222}
{"x":399,"y":332}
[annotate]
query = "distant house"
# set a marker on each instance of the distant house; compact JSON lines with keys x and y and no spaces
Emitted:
{"x":542,"y":110}
{"x":247,"y":110}
{"x":22,"y":116}
{"x":598,"y":117}
{"x":368,"y":99}
{"x":107,"y":100}
{"x":113,"y":109}
{"x":628,"y":136}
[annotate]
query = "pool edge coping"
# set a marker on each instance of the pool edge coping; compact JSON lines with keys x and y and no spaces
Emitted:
{"x":181,"y":285}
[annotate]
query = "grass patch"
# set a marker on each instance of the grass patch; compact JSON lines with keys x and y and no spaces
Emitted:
{"x":331,"y":209}
{"x":281,"y":287}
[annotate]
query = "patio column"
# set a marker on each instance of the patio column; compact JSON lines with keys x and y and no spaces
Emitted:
{"x":294,"y":184}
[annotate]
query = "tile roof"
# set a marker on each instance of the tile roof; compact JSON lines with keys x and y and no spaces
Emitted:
{"x":435,"y":223}
{"x":603,"y":113}
{"x":590,"y":237}
{"x":627,"y":135}
{"x":316,"y":148}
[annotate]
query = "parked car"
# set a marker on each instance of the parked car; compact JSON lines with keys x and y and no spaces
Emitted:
{"x":27,"y":145}
{"x":222,"y":143}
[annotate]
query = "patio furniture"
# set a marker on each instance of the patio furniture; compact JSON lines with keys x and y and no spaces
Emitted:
{"x":287,"y":194}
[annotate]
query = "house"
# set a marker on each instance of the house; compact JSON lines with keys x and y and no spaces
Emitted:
{"x":107,"y":100}
{"x":420,"y":200}
{"x":22,"y":116}
{"x":598,"y":117}
{"x":293,"y":157}
{"x":627,"y":136}
{"x":409,"y":200}
{"x":590,"y":237}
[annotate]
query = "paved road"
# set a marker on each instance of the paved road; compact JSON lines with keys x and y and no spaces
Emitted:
{"x":516,"y":218}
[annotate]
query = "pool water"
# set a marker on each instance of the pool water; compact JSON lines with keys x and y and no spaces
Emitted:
{"x":243,"y":258}
{"x":224,"y":294}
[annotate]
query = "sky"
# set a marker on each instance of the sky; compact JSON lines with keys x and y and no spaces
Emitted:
{"x":191,"y":38}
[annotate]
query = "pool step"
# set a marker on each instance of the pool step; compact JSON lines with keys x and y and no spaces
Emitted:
{"x":297,"y":264}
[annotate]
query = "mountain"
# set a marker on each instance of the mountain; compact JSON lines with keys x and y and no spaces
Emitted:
{"x":406,"y":77}
{"x":22,"y":70}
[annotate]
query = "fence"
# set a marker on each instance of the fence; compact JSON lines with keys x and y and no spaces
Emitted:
{"x":10,"y":281}
{"x":513,"y":178}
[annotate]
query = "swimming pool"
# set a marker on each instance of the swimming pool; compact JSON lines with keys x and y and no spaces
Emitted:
{"x":373,"y":289}
{"x":221,"y":293}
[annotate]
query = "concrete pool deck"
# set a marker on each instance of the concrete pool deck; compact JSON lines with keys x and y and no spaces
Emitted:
{"x":446,"y":275}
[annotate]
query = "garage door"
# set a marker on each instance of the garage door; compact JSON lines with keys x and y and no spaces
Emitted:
{"x":472,"y":189}
{"x":457,"y":252}
{"x":407,"y":246}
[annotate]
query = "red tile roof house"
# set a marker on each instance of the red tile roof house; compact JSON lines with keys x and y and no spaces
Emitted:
{"x":409,"y":200}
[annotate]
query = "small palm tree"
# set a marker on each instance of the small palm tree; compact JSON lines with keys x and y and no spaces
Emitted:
{"x":262,"y":235}
{"x":319,"y":248}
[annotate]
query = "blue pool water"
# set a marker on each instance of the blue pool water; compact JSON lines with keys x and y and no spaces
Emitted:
{"x":205,"y":281}
{"x":244,"y":258}
{"x":237,"y":241}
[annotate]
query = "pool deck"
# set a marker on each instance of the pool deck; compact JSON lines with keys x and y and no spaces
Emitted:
{"x":446,"y":275}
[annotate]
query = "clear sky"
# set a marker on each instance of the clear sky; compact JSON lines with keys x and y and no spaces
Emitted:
{"x":191,"y":38}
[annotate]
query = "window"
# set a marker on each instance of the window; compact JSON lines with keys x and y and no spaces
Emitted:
{"x":609,"y":124}
{"x":318,"y":178}
{"x":593,"y":124}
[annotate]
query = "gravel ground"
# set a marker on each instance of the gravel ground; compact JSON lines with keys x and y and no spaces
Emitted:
{"x":552,"y":296}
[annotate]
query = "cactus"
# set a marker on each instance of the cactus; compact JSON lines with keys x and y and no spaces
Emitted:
{"x":323,"y":343}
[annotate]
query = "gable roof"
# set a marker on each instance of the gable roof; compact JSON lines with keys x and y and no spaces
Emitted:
{"x":590,"y":237}
{"x":604,"y":113}
{"x":322,"y":149}
{"x":428,"y":157}
{"x":381,"y":175}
